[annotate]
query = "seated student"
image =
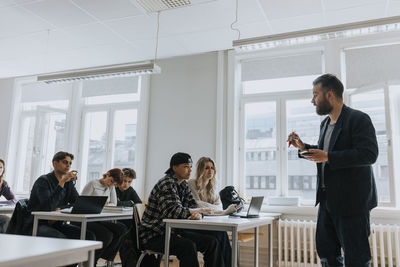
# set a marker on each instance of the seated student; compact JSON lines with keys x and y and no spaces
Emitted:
{"x":203,"y":188}
{"x":111,"y":234}
{"x":7,"y":193}
{"x":126,"y":195}
{"x":171,"y":198}
{"x":53,"y":191}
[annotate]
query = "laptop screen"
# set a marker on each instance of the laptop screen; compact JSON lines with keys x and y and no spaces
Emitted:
{"x":255,"y":206}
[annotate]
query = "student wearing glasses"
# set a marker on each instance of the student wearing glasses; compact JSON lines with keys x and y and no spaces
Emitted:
{"x":111,"y":234}
{"x":54,"y":191}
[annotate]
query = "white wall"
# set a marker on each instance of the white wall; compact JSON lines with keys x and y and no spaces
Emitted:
{"x":182,"y":114}
{"x":6,"y":93}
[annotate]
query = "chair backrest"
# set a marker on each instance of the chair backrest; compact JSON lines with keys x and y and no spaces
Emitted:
{"x":21,"y":219}
{"x":136,"y":221}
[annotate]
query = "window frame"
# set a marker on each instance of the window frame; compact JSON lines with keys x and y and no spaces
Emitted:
{"x":74,"y":120}
{"x":280,"y":98}
{"x":110,"y":109}
{"x":389,"y":136}
{"x":333,"y":62}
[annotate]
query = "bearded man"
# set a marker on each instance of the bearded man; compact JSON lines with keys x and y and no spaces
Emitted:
{"x":346,"y":190}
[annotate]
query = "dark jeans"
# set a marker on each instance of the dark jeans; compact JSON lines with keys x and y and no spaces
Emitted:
{"x":111,"y":234}
{"x":63,"y":230}
{"x":185,"y":246}
{"x":224,"y":244}
{"x":349,"y":233}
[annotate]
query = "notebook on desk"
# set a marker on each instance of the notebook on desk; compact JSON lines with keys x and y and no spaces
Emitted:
{"x":87,"y":205}
{"x":254,"y":209}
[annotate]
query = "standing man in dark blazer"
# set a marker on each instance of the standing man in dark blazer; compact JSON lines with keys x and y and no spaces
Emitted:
{"x":346,"y":191}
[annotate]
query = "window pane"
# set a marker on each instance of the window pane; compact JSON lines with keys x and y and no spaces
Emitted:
{"x":108,"y":99}
{"x":373,"y":103}
{"x":25,"y":154}
{"x":94,"y":146}
{"x":302,"y":119}
{"x":278,"y":85}
{"x":54,"y":139}
{"x":124,"y":138}
{"x":59,"y":104}
{"x":260,"y":139}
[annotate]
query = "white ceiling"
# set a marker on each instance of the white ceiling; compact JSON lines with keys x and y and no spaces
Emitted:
{"x":41,"y":36}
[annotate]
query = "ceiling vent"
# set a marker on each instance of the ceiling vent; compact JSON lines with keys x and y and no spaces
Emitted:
{"x":159,"y":5}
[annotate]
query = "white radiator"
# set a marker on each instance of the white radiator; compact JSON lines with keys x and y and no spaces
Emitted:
{"x":296,"y":246}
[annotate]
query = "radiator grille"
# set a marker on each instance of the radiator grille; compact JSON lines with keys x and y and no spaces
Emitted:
{"x":296,"y":246}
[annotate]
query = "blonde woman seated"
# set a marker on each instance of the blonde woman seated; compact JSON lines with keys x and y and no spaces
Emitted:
{"x":204,"y":192}
{"x":203,"y":187}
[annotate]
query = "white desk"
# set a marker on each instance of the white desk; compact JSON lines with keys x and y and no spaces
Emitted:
{"x":19,"y":250}
{"x":6,"y":209}
{"x":222,"y":223}
{"x":83,"y":218}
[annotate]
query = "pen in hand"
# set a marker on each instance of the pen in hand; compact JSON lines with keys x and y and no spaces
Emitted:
{"x":290,"y":140}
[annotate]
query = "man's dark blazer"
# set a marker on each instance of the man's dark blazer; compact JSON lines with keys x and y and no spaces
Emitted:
{"x":349,"y":179}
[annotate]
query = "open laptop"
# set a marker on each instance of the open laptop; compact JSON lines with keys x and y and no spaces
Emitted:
{"x":253,"y":210}
{"x":87,"y":205}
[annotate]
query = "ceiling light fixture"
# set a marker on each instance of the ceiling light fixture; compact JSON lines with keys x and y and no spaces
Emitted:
{"x":103,"y":72}
{"x":318,"y":34}
{"x":157,"y":5}
{"x":106,"y":72}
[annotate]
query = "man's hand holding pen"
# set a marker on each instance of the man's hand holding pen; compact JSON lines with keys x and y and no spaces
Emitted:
{"x":316,"y":155}
{"x":294,"y":140}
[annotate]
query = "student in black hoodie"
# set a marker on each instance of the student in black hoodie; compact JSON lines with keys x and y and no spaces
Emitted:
{"x":126,"y":195}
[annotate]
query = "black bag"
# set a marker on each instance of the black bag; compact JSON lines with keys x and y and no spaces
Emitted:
{"x":229,"y":196}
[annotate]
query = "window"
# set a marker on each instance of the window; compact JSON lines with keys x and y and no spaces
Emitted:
{"x":373,"y":103}
{"x":42,"y":128}
{"x":97,"y":121}
{"x":260,"y":135}
{"x":373,"y":87}
{"x":272,"y":96}
{"x":274,"y":102}
{"x":109,"y":139}
{"x":261,"y":128}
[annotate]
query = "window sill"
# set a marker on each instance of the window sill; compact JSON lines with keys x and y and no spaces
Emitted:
{"x":379,"y":215}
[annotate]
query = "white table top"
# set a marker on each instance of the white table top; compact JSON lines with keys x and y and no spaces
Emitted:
{"x":19,"y":250}
{"x":57,"y":215}
{"x":223,"y":221}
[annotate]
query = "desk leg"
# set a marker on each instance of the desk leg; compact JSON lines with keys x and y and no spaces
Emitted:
{"x":256,"y":246}
{"x":166,"y":248}
{"x":83,"y":237}
{"x":234,"y":247}
{"x":271,"y":244}
{"x":90,"y":261}
{"x":35,"y":226}
{"x":83,"y":230}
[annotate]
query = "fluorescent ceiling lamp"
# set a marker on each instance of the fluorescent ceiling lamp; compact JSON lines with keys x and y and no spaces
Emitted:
{"x":105,"y":72}
{"x":318,"y":34}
